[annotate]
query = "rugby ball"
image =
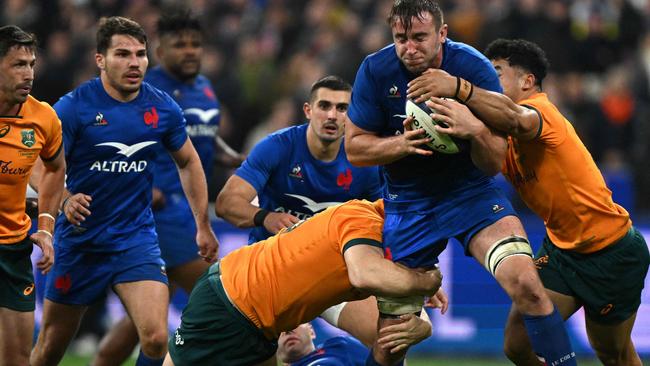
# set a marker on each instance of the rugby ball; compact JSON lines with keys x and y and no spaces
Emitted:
{"x":422,"y":119}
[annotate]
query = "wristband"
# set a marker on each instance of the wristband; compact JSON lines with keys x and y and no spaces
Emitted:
{"x":44,"y":224}
{"x":259,"y":217}
{"x":45,"y":214}
{"x":464,"y":90}
{"x":46,"y":232}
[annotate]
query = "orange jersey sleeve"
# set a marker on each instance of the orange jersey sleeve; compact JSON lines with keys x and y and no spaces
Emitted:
{"x":295,"y":275}
{"x":558,"y":179}
{"x":34,"y":132}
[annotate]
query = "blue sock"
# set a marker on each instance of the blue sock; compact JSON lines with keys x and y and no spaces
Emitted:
{"x":549,"y":339}
{"x":370,"y":361}
{"x":146,"y":361}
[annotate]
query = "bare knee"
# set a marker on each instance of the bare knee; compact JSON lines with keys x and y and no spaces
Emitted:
{"x":154,"y":343}
{"x":526,"y":291}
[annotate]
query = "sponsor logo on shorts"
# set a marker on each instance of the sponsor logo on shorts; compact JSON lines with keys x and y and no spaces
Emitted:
{"x":28,"y":290}
{"x":63,"y":283}
{"x":388,"y":254}
{"x":178,"y":340}
{"x":497,"y":208}
{"x":606,"y":309}
{"x":541,"y":261}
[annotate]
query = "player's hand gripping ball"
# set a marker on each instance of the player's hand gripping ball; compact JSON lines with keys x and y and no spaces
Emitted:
{"x":422,"y":119}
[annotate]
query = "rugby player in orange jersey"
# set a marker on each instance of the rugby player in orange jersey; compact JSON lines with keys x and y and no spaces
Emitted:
{"x":28,"y":129}
{"x":238,"y":309}
{"x":592,"y":256}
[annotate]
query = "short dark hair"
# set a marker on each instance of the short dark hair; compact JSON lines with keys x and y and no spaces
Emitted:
{"x":331,"y":82}
{"x":12,"y":36}
{"x":174,"y":20}
{"x":520,"y":53}
{"x":108,"y":27}
{"x":405,"y":10}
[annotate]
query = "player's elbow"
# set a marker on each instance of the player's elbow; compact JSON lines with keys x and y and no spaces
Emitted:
{"x":363,"y":279}
{"x":355,"y":152}
{"x":221,"y":206}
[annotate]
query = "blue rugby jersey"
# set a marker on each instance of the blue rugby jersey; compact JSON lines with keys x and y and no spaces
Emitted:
{"x":378,"y":105}
{"x":336,"y":351}
{"x":202,"y":114}
{"x":110,"y":147}
{"x":289,"y":179}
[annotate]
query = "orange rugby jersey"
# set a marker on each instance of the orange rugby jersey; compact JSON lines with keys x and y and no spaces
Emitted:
{"x":294,"y":276}
{"x":34,"y":131}
{"x":558,"y":179}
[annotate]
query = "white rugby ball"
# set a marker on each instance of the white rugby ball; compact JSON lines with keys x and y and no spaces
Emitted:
{"x":421,"y":119}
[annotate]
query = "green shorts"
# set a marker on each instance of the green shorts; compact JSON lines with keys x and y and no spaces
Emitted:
{"x":17,"y":277}
{"x":608,"y":283}
{"x":214,"y":332}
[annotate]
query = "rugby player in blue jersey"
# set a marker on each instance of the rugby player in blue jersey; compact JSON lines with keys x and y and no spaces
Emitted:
{"x":298,"y":171}
{"x":431,"y":197}
{"x":111,"y":128}
{"x":179,"y":51}
{"x":297,"y":348}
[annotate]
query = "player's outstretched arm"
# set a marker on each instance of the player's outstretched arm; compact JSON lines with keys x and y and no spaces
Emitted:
{"x":196,"y":191}
{"x":368,"y":270}
{"x":51,"y":175}
{"x":365,"y":148}
{"x":234,"y":205}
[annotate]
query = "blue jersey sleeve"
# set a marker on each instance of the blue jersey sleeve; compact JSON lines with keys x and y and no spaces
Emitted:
{"x":260,"y":164}
{"x":67,"y":113}
{"x":365,"y":112}
{"x":176,"y":136}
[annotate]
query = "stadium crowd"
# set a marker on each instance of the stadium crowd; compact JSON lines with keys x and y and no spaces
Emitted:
{"x":263,"y":55}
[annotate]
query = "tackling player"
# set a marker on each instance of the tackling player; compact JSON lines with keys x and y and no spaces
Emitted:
{"x":432,"y":197}
{"x":29,"y":129}
{"x":592,"y":256}
{"x":239,"y":308}
{"x":107,"y":237}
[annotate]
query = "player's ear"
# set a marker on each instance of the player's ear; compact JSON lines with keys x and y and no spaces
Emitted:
{"x":306,"y":108}
{"x":442,"y":33}
{"x":312,"y":333}
{"x":100,"y":60}
{"x":528,"y":82}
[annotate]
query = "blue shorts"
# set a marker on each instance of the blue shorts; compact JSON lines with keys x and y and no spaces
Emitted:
{"x":80,"y":278}
{"x":177,"y":243}
{"x":415,"y":237}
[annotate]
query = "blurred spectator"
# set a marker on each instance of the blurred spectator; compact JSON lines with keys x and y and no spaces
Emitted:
{"x":260,"y":52}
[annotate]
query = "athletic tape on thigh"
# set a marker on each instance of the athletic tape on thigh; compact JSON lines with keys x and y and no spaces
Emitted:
{"x":504,"y":248}
{"x":400,"y":305}
{"x":332,"y":314}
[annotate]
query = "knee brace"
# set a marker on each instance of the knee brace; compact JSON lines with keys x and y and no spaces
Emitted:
{"x":504,"y":248}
